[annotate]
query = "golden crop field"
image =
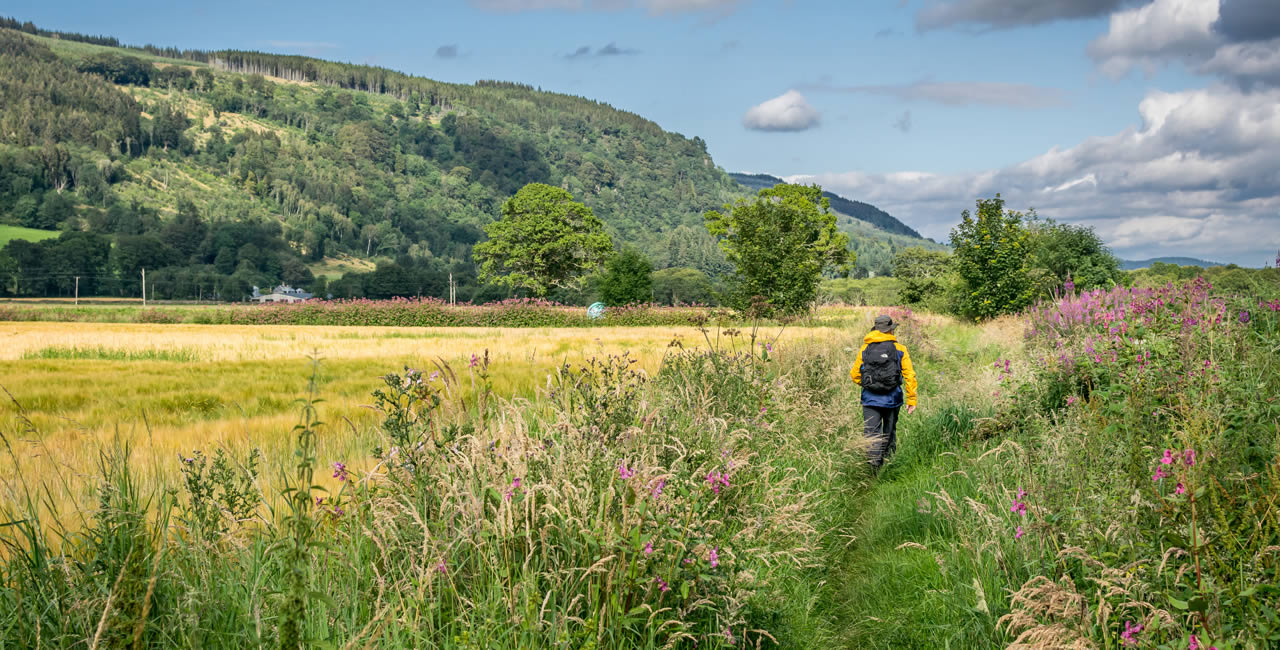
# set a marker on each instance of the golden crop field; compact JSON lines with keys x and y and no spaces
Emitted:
{"x":167,"y":390}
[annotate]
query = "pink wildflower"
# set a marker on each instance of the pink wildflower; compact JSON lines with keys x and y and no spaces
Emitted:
{"x":728,"y":634}
{"x":648,"y":548}
{"x":474,"y":360}
{"x":714,"y":558}
{"x":717,"y":479}
{"x":1017,"y":534}
{"x":1179,"y":489}
{"x":1130,"y":634}
{"x":625,"y":472}
{"x":1021,"y":493}
{"x":1168,"y":457}
{"x":1189,"y":457}
{"x":1018,"y":508}
{"x":1071,"y":399}
{"x":657,"y":488}
{"x":662,"y":585}
{"x":515,"y":482}
{"x":1158,"y":475}
{"x":340,"y":472}
{"x":1193,"y":643}
{"x":441,"y":567}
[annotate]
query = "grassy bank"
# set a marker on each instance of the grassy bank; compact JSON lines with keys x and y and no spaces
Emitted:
{"x":1117,"y":489}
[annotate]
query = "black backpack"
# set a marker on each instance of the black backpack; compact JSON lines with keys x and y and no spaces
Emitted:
{"x":881,"y":367}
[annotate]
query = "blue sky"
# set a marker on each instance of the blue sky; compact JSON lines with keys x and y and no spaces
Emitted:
{"x":917,"y":106}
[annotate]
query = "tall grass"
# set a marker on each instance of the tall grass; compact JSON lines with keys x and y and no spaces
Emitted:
{"x":691,"y":506}
{"x":1114,"y":489}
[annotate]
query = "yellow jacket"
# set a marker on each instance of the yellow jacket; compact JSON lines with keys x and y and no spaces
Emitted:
{"x":908,"y":374}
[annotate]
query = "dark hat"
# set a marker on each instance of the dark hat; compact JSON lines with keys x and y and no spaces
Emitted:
{"x":885,"y":324}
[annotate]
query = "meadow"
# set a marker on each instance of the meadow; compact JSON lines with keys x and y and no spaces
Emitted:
{"x":1098,"y":473}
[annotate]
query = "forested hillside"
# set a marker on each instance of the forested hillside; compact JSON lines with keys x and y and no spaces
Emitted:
{"x":218,"y":171}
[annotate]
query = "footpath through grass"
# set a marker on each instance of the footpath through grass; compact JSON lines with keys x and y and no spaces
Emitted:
{"x":1111,"y":484}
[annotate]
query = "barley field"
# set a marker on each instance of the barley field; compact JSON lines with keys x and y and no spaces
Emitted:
{"x":174,"y":388}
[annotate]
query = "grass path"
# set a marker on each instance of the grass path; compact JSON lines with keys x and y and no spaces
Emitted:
{"x":887,"y":590}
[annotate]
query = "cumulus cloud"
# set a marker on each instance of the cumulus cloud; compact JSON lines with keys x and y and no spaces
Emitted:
{"x":447,"y":51}
{"x":1005,"y":14}
{"x":960,"y":93}
{"x":1248,"y":20}
{"x":654,"y":6}
{"x":789,"y":111}
{"x":1150,"y":35}
{"x":1238,"y":41}
{"x":1199,"y":177}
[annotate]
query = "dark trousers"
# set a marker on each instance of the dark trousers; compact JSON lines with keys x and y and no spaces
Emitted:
{"x":881,"y":431}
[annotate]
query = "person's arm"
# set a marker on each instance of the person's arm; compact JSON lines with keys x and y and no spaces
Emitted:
{"x":908,"y":379}
{"x":856,"y":372}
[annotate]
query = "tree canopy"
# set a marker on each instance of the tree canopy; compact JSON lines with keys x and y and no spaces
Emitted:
{"x":780,"y":243}
{"x":544,"y":239}
{"x":991,"y":256}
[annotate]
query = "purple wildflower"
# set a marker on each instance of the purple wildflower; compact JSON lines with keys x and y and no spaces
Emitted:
{"x":1244,"y":317}
{"x":440,"y":566}
{"x":1159,"y":474}
{"x":657,"y":488}
{"x":648,"y":547}
{"x":1130,"y":634}
{"x":625,"y":472}
{"x":662,"y":585}
{"x":1180,"y":489}
{"x":474,"y":361}
{"x":714,"y":558}
{"x":1189,"y":457}
{"x":1168,"y":457}
{"x":340,"y":472}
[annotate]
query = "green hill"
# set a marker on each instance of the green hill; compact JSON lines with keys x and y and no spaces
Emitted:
{"x":221,"y":170}
{"x":1130,"y":265}
{"x":875,"y":234}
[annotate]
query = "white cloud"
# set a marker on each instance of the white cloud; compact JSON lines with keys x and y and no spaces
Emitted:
{"x":1235,"y":40}
{"x":960,"y":93}
{"x":789,"y":111}
{"x":1200,"y":177}
{"x":1149,"y":35}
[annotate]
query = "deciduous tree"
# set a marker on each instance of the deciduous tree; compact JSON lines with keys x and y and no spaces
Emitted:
{"x":544,"y":239}
{"x":780,"y":243}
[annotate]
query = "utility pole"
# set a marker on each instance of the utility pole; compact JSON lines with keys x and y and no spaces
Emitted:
{"x":144,"y":287}
{"x":77,"y":290}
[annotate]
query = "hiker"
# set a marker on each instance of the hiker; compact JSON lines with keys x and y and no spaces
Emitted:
{"x":883,"y":369}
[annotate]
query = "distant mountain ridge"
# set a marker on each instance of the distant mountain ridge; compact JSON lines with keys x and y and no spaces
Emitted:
{"x":1130,"y":265}
{"x":856,"y":209}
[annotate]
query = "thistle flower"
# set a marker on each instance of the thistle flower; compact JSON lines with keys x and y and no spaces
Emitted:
{"x":340,"y":472}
